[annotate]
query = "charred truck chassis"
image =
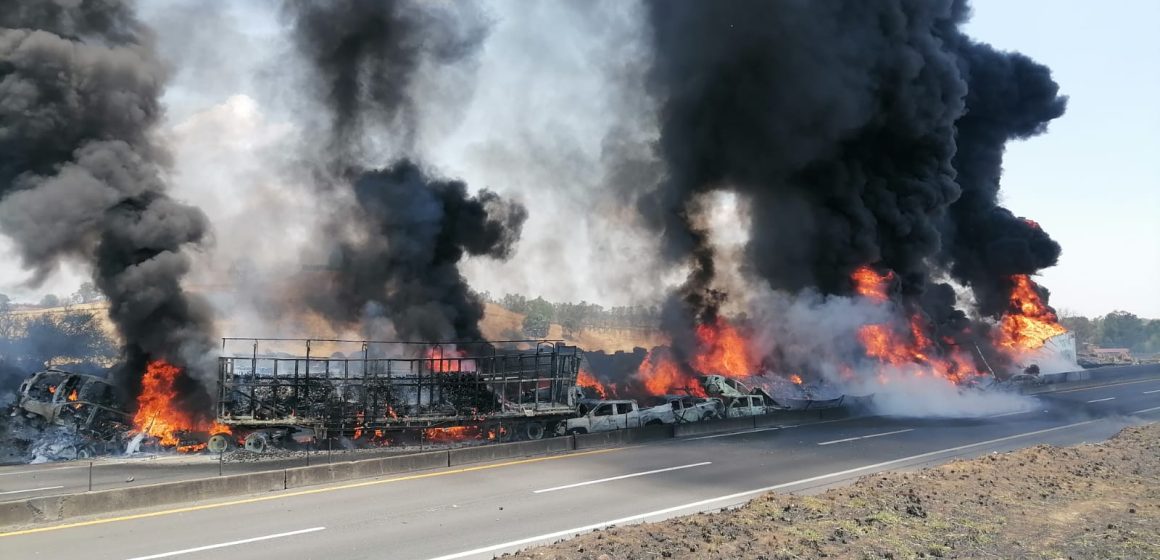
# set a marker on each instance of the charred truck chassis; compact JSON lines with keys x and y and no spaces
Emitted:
{"x":276,"y":399}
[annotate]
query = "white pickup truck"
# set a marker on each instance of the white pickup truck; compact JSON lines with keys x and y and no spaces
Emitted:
{"x":607,"y":415}
{"x":678,"y":409}
{"x":603,"y":416}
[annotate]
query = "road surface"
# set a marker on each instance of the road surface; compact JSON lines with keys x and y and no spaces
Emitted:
{"x":482,"y":510}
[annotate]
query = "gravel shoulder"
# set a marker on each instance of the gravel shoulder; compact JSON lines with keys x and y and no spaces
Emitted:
{"x":1090,"y":501}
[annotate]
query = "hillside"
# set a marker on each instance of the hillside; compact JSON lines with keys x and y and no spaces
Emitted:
{"x":498,"y":324}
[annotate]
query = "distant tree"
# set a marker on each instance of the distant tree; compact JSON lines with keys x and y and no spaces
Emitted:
{"x":1086,"y":330}
{"x":74,"y":339}
{"x":5,"y":303}
{"x":1121,"y":329}
{"x":87,"y":293}
{"x":50,"y":300}
{"x":536,"y":325}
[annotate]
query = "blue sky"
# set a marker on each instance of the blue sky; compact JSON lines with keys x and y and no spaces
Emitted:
{"x":1093,"y":181}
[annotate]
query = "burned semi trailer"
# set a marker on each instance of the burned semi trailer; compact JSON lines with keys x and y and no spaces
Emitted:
{"x":398,"y":392}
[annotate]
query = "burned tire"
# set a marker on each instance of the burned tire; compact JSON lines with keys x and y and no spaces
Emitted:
{"x":85,"y":452}
{"x":258,"y":442}
{"x":533,"y":431}
{"x":220,"y":443}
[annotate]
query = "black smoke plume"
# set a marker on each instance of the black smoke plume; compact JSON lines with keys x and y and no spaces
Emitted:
{"x":406,"y":268}
{"x":1009,"y":97}
{"x":81,"y":178}
{"x":407,"y":232}
{"x":860,"y":133}
{"x":835,"y":120}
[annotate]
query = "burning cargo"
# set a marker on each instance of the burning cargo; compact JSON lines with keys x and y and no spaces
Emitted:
{"x":389,"y":390}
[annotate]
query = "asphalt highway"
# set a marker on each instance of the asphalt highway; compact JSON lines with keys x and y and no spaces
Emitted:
{"x":46,"y":479}
{"x":482,"y":510}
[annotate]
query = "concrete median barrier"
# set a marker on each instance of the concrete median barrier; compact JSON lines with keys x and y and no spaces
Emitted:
{"x":713,"y":426}
{"x":57,"y":508}
{"x":1082,"y":379}
{"x":415,"y":462}
{"x":613,"y":438}
{"x":790,"y":417}
{"x":610,"y":438}
{"x":499,"y":451}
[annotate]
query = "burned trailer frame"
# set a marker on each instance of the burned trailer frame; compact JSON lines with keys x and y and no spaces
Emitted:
{"x":507,"y":389}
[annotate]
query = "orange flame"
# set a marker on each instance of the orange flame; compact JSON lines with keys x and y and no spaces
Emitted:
{"x":1028,"y":322}
{"x":453,"y":433}
{"x":797,"y":379}
{"x":661,"y":375}
{"x":723,"y":351}
{"x":871,"y":285}
{"x":73,"y":395}
{"x":585,"y":379}
{"x":448,"y":361}
{"x":894,"y":349}
{"x":156,"y":416}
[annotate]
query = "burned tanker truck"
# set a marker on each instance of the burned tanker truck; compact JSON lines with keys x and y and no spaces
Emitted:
{"x":364,"y":392}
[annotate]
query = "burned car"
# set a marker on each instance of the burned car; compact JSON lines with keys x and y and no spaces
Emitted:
{"x":85,"y":405}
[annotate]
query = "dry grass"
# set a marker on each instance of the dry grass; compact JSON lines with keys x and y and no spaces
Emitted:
{"x":1091,"y":501}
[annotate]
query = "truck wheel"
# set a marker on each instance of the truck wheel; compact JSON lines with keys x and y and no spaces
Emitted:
{"x":653,"y":422}
{"x":258,"y":442}
{"x":534,"y":430}
{"x":219,"y":443}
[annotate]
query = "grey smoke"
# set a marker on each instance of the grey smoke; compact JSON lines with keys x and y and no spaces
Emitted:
{"x":81,"y":177}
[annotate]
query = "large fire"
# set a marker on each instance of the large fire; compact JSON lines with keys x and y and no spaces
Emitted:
{"x":1028,"y":322}
{"x":660,"y":374}
{"x":158,"y":417}
{"x":722,"y":351}
{"x":585,"y":379}
{"x":871,"y":285}
{"x":913,"y":348}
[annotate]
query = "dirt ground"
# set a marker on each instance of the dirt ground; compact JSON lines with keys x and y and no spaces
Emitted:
{"x":1086,"y":502}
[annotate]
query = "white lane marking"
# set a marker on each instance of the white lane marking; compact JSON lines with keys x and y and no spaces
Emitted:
{"x":231,"y":543}
{"x":1150,"y":392}
{"x":1155,"y":408}
{"x":1011,"y":413}
{"x":754,"y":431}
{"x":866,"y":437}
{"x":770,"y":428}
{"x":621,"y":477}
{"x":700,"y":503}
{"x":30,"y":490}
{"x":37,"y":471}
{"x":1103,"y":399}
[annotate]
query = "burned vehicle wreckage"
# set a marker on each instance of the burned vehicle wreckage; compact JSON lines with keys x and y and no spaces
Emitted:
{"x":477,"y":389}
{"x":353,"y":394}
{"x":70,"y":416}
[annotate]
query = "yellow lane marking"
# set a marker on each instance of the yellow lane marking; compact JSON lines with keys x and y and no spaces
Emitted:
{"x":296,"y":493}
{"x":1101,"y":386}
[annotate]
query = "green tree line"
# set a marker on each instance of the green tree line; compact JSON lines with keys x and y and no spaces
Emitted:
{"x":1118,"y":329}
{"x":539,"y":314}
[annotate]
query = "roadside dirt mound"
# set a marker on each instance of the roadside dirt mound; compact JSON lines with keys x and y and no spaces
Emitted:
{"x":1091,"y":501}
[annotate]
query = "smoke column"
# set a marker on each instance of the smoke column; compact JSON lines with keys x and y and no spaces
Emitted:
{"x":1009,"y":97}
{"x":80,"y":177}
{"x":859,"y":133}
{"x":405,"y":231}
